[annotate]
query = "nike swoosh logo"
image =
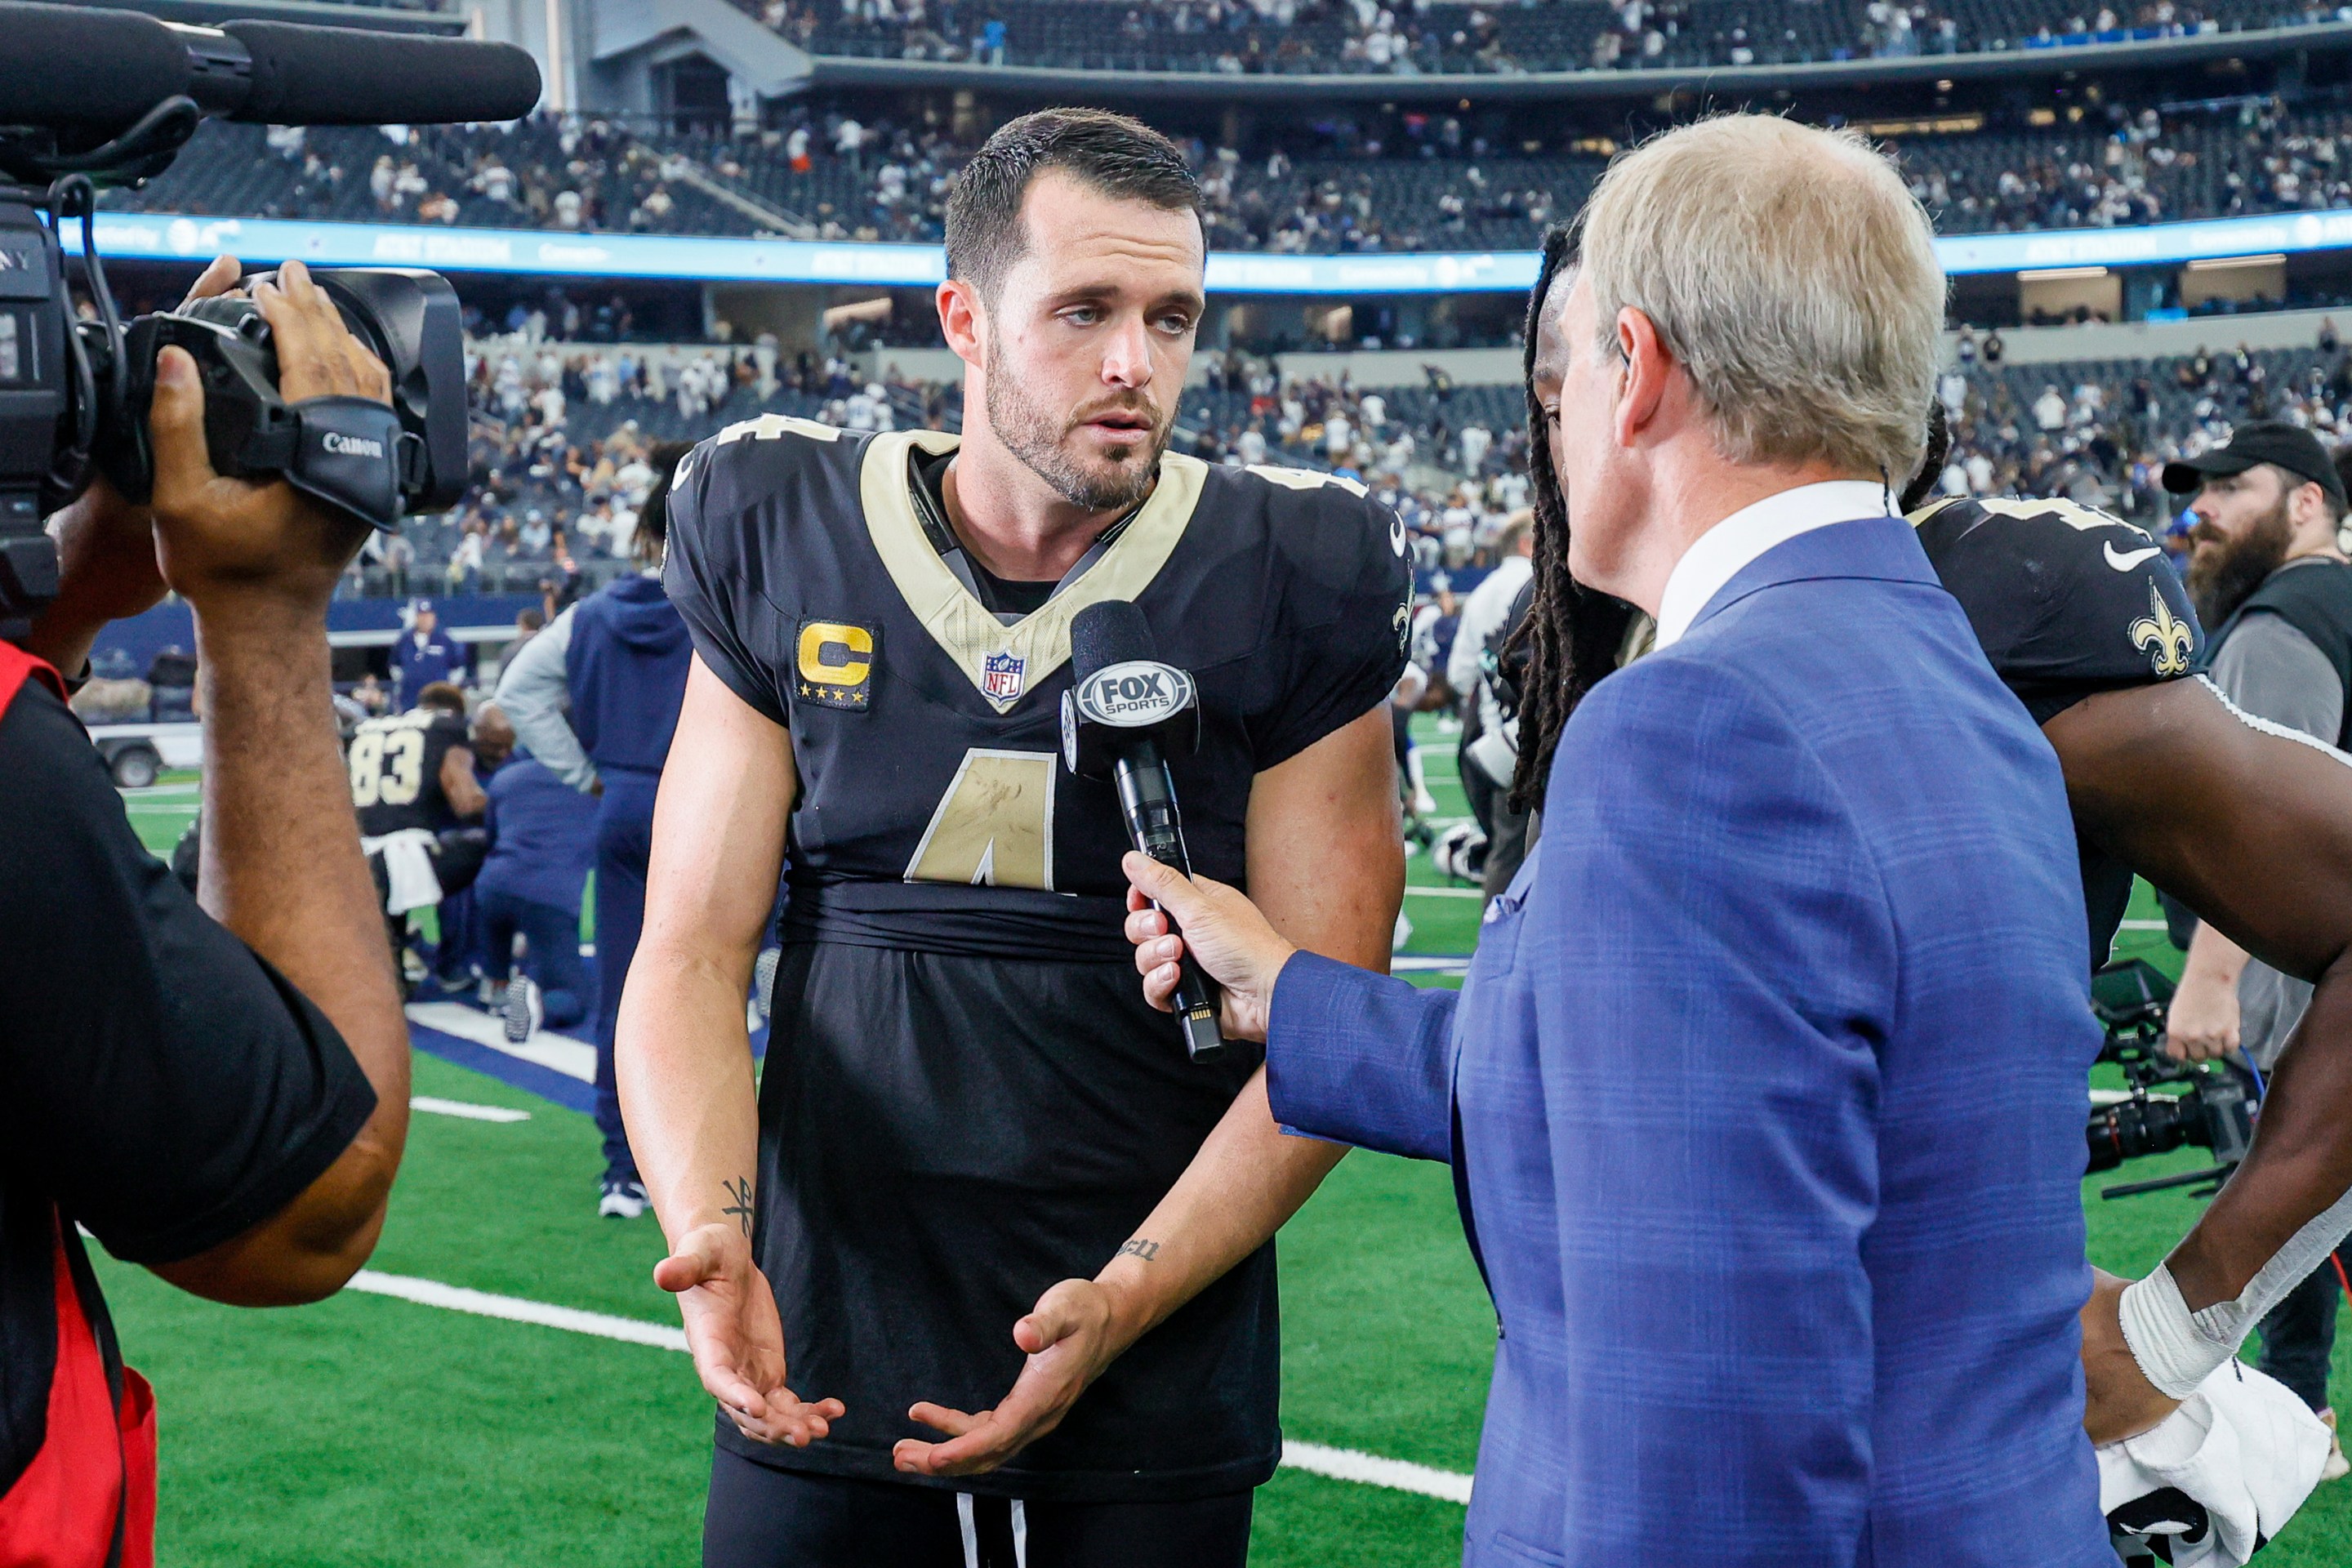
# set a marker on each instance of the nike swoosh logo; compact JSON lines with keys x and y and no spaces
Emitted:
{"x":2125,"y":560}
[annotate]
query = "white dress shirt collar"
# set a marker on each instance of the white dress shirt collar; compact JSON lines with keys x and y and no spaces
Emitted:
{"x":1715,"y":557}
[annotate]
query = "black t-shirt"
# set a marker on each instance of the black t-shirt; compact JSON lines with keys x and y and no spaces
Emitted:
{"x":396,"y":767}
{"x":2067,"y":602}
{"x":966,"y":1099}
{"x":159,"y":1082}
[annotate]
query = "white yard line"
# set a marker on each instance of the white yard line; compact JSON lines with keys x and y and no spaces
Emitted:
{"x":466,"y":1109}
{"x":1444,"y":893}
{"x":1339,"y":1464}
{"x":1373,"y":1470}
{"x":2147,"y":925}
{"x":574,"y":1059}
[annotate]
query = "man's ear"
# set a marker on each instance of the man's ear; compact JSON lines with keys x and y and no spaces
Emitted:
{"x":962,"y":320}
{"x":1645,"y":368}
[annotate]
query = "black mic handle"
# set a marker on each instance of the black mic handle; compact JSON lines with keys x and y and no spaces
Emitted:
{"x":1148,"y":800}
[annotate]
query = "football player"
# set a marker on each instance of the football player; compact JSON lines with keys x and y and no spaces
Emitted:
{"x":2248,"y":824}
{"x":414,"y":785}
{"x":966,"y":1102}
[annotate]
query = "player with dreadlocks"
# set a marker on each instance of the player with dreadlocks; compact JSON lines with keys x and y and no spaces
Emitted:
{"x":2248,"y":824}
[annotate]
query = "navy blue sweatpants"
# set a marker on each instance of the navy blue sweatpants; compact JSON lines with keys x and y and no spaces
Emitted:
{"x":624,"y":834}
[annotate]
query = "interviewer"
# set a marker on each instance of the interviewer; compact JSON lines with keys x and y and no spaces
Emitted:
{"x":1764,"y":1092}
{"x":217,"y":1092}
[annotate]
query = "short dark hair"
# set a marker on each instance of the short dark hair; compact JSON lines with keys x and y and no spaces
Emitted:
{"x":442,"y":697}
{"x":1115,"y":155}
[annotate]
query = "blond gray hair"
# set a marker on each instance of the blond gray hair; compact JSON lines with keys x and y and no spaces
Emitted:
{"x":1792,"y":273}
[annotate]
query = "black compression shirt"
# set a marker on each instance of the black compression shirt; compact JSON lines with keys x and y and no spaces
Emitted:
{"x":158,"y":1083}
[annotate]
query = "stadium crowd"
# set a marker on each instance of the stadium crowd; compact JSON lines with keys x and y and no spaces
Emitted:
{"x":1423,"y":37}
{"x":562,"y":431}
{"x":1406,"y":182}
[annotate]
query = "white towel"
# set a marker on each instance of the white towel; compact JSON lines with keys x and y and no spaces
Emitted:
{"x":408,"y":869}
{"x":2242,"y":1447}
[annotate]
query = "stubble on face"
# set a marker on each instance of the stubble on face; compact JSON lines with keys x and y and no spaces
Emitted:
{"x":1048,"y":443}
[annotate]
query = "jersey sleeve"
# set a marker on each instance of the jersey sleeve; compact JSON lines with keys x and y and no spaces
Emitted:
{"x":1346,"y":622}
{"x":2066,"y":600}
{"x":709,"y":573}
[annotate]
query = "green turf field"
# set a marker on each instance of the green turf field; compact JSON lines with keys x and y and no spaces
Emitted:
{"x":370,"y":1430}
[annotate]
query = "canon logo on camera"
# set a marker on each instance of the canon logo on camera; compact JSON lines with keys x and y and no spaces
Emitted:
{"x":345,"y":446}
{"x":1131,"y":695}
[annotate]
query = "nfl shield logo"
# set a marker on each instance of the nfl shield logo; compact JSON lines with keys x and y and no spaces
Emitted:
{"x":1000,"y":674}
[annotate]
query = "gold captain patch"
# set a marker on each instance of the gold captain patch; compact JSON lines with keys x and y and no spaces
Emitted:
{"x":2166,"y":640}
{"x":834,"y":664}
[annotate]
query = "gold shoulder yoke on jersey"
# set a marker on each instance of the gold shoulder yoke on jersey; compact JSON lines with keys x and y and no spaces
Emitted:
{"x":962,"y":625}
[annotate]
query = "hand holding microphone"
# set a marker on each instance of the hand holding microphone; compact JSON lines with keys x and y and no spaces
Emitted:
{"x":1176,"y":920}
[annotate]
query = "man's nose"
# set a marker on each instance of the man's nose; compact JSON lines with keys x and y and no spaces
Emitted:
{"x":1126,"y":358}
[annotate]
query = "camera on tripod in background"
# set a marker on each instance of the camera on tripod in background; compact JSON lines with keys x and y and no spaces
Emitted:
{"x":2214,"y":1110}
{"x":108,"y":99}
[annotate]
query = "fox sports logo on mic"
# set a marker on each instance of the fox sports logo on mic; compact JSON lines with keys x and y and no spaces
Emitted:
{"x":1134,"y":694}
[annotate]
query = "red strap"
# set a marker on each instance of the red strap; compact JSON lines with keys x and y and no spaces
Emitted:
{"x":16,"y":664}
{"x":62,"y":1511}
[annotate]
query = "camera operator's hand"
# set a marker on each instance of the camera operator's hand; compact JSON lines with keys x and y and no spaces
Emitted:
{"x":225,"y":537}
{"x":2118,"y":1400}
{"x":105,"y":546}
{"x":2202,"y":1024}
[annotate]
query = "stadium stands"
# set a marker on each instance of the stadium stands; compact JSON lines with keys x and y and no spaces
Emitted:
{"x":1429,"y":186}
{"x":1350,"y":37}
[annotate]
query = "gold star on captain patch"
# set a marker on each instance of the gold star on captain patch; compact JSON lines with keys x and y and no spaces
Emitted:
{"x":2165,"y":640}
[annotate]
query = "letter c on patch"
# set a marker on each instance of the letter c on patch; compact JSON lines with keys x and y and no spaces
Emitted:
{"x":835,"y":654}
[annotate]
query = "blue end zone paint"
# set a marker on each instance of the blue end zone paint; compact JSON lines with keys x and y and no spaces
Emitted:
{"x":529,"y":1076}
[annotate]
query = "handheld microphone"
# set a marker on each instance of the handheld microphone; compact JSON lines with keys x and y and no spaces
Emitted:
{"x":1122,"y":718}
{"x":81,"y":66}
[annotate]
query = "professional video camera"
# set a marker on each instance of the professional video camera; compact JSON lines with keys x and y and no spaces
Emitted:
{"x":2215,"y":1110}
{"x":95,"y":98}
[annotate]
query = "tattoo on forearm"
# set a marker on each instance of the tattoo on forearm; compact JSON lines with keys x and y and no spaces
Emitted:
{"x":740,"y":1189}
{"x":1138,"y":1247}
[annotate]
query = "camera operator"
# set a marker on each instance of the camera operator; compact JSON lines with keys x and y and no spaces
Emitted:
{"x":217,"y":1087}
{"x":2266,"y":571}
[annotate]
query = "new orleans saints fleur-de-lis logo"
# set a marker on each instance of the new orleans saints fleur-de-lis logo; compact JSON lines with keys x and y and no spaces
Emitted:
{"x":2165,"y":640}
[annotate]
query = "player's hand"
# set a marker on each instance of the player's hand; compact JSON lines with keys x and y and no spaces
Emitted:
{"x":222,"y":538}
{"x":736,"y":1338}
{"x":2119,"y":1400}
{"x":2202,"y":1025}
{"x":1227,"y":936}
{"x":1067,"y":1339}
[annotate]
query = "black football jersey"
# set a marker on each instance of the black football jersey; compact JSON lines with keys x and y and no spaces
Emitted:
{"x":395,"y":770}
{"x":2067,"y":602}
{"x":966,"y":1099}
{"x":934,"y":811}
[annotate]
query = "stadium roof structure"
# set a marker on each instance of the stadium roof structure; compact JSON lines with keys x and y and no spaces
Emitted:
{"x":157,"y":237}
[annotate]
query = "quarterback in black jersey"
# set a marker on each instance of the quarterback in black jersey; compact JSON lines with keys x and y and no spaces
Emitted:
{"x":2252,"y":828}
{"x":949,"y":1195}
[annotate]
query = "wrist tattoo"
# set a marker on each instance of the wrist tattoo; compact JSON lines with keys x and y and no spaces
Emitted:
{"x":1139,"y":1248}
{"x":740,"y":1189}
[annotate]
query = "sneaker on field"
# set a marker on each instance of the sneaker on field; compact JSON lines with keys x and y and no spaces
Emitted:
{"x":523,"y":1010}
{"x":620,"y":1200}
{"x":2337,"y":1466}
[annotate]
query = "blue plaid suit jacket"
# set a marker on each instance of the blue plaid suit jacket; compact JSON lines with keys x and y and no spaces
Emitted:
{"x":1764,"y":1097}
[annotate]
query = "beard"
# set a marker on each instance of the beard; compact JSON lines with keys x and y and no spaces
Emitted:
{"x":2223,"y":571}
{"x":1040,"y":439}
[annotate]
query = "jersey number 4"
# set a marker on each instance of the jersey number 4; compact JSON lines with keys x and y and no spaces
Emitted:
{"x":994,"y":826}
{"x":387,"y":769}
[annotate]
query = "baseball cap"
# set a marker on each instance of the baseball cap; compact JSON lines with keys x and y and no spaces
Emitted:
{"x":2274,"y":441}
